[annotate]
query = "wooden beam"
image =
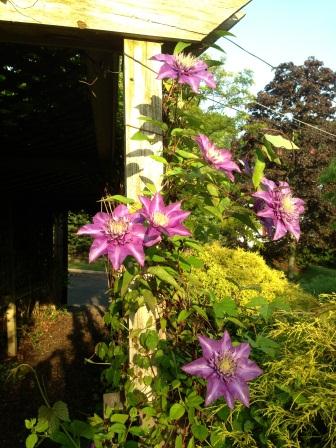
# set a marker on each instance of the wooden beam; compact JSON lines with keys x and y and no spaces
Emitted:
{"x":190,"y":20}
{"x":143,"y":96}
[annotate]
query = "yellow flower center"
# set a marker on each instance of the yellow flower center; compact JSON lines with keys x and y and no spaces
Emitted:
{"x":117,"y":227}
{"x":288,"y":205}
{"x":186,"y":60}
{"x":227,"y":365}
{"x":159,"y":219}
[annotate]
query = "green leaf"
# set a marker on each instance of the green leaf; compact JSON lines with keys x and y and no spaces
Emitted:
{"x":200,"y":311}
{"x":82,"y":429}
{"x":246,"y":219}
{"x":196,"y":262}
{"x":118,"y":428}
{"x":191,"y":443}
{"x":200,"y":432}
{"x":119,"y":418}
{"x":42,"y":425}
{"x":193,"y":400}
{"x":180,"y":46}
{"x":280,"y":142}
{"x":259,"y":167}
{"x":213,"y":63}
{"x":137,"y":431}
{"x":218,"y":48}
{"x":226,"y":307}
{"x":158,"y":123}
{"x":126,"y":280}
{"x":150,"y":300}
{"x":214,"y":211}
{"x":266,"y":345}
{"x":270,"y":153}
{"x":176,"y":411}
{"x":140,"y":136}
{"x":186,"y":154}
{"x":224,"y":33}
{"x":152,"y":340}
{"x":60,"y":410}
{"x":183,"y":315}
{"x":30,"y":423}
{"x":178,"y":441}
{"x":119,"y":198}
{"x":214,"y":193}
{"x":161,"y":273}
{"x":159,"y":159}
{"x":194,"y":245}
{"x":31,"y":440}
{"x":235,"y":321}
{"x":47,"y":413}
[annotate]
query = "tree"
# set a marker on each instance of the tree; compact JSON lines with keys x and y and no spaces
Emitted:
{"x":305,"y":93}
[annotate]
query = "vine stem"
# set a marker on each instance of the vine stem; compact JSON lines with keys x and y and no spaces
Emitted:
{"x":48,"y":404}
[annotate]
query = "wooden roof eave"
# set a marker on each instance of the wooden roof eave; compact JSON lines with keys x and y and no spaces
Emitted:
{"x":92,"y":23}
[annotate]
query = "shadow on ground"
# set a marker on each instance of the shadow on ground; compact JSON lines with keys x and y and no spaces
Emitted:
{"x":58,"y":354}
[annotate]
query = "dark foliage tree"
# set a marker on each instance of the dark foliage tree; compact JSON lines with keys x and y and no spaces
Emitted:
{"x":306,"y":93}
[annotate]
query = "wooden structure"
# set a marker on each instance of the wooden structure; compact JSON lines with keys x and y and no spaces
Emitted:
{"x":65,"y":174}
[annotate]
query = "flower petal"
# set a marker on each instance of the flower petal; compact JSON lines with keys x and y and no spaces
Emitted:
{"x":216,"y":388}
{"x":98,"y":247}
{"x":225,"y":342}
{"x":200,"y":367}
{"x":209,"y":346}
{"x":91,"y":229}
{"x":248,"y":370}
{"x":239,"y":389}
{"x":242,"y":350}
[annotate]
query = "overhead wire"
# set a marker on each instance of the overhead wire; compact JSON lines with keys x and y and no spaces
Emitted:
{"x":226,"y":105}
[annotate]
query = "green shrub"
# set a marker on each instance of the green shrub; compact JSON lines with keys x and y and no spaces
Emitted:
{"x":242,"y":276}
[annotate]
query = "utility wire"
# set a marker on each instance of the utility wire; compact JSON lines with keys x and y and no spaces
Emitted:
{"x":249,"y":52}
{"x":225,"y":105}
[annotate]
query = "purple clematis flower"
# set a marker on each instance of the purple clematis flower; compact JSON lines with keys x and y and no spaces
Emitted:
{"x":186,"y":69}
{"x":162,"y":219}
{"x":116,"y":234}
{"x":279,"y":210}
{"x":221,"y":159}
{"x":226,"y":369}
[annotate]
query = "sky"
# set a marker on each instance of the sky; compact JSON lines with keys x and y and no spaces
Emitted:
{"x":282,"y":31}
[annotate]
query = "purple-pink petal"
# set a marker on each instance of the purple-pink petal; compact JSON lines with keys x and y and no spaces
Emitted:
{"x":216,"y":389}
{"x":209,"y":346}
{"x":225,"y":342}
{"x":199,"y":367}
{"x":247,"y":370}
{"x":239,"y":389}
{"x":98,"y":248}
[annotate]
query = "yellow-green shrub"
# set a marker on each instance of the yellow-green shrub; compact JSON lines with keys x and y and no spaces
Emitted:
{"x":241,"y":275}
{"x":297,"y":393}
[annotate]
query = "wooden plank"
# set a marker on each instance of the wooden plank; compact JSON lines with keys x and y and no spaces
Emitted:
{"x":11,"y":329}
{"x":143,"y":96}
{"x":190,"y":20}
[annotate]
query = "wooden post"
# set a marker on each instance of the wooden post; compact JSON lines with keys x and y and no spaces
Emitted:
{"x":143,"y":96}
{"x":11,"y":329}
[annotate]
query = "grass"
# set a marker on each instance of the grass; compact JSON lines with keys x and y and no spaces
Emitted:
{"x":318,"y":280}
{"x":98,"y":265}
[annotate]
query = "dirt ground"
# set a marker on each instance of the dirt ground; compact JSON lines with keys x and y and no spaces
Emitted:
{"x":56,"y":344}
